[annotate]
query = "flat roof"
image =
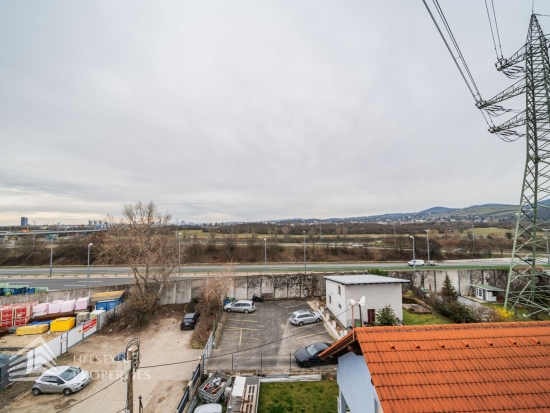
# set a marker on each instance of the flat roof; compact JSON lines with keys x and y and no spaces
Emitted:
{"x":487,"y":287}
{"x":364,"y":279}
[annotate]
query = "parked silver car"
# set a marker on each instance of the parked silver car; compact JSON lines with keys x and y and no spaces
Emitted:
{"x":61,"y":379}
{"x":241,"y":306}
{"x":301,"y":317}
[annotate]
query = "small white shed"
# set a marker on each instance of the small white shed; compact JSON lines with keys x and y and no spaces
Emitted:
{"x":379,"y":291}
{"x":488,"y":292}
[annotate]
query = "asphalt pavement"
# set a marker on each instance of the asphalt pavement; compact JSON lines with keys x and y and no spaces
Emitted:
{"x":75,"y":277}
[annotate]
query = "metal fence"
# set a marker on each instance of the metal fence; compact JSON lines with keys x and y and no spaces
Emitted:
{"x":261,"y":363}
{"x":185,"y":399}
{"x":201,"y":366}
{"x":44,"y":355}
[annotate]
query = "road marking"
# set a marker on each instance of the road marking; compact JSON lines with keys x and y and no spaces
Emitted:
{"x":240,"y":337}
{"x":245,"y":321}
{"x":309,"y":335}
{"x":90,"y":281}
{"x":292,"y":306}
{"x":239,"y":328}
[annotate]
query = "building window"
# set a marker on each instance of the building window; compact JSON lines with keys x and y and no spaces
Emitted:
{"x":330,"y":299}
{"x":339,"y":291}
{"x":339,"y":306}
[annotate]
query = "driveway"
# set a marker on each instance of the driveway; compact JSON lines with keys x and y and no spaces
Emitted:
{"x":161,"y":388}
{"x":257,"y":339}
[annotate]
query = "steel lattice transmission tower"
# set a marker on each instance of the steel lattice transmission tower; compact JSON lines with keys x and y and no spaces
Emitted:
{"x":529,"y":285}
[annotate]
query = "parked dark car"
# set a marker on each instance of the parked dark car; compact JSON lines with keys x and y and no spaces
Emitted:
{"x":190,"y":321}
{"x":309,"y":356}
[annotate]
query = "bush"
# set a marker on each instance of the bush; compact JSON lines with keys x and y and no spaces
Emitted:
{"x":378,"y":271}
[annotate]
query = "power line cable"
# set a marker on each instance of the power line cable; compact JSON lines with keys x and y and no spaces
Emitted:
{"x":505,"y":136}
{"x":91,"y":395}
{"x":455,"y":43}
{"x":496,"y":26}
{"x":195,"y":360}
{"x":450,"y":51}
{"x":491,"y":26}
{"x":243,"y":350}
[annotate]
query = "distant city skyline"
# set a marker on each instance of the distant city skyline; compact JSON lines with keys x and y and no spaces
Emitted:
{"x":227,"y":111}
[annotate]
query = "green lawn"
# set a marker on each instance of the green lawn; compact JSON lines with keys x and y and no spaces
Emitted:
{"x":299,"y":397}
{"x":422,"y":319}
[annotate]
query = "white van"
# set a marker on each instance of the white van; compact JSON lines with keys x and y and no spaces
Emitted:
{"x":415,"y":262}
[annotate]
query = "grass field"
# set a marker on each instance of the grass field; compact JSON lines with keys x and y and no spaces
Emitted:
{"x":422,"y":319}
{"x":300,"y":397}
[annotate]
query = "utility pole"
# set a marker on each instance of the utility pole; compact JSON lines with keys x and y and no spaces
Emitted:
{"x":131,"y":364}
{"x":527,"y":285}
{"x":130,"y":383}
{"x":320,"y":232}
{"x":305,"y":268}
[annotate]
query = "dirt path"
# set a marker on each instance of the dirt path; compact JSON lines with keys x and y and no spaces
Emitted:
{"x":161,"y":388}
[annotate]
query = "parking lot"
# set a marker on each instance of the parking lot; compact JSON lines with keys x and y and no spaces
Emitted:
{"x":264,"y":341}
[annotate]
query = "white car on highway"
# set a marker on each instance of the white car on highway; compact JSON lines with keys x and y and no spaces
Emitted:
{"x":415,"y":262}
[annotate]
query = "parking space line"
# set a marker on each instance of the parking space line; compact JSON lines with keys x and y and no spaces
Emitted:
{"x":292,"y":306}
{"x":244,"y":321}
{"x":239,"y":328}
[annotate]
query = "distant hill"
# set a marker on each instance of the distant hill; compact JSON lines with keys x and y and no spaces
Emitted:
{"x":437,"y":210}
{"x":500,"y":212}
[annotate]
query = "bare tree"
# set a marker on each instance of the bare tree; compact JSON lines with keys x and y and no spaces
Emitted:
{"x":214,"y":289}
{"x":139,"y":240}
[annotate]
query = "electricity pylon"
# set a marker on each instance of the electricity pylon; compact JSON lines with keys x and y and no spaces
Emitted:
{"x":528,"y":285}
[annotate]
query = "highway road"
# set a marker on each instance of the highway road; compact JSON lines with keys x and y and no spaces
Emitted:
{"x":75,"y":277}
{"x":294,"y":267}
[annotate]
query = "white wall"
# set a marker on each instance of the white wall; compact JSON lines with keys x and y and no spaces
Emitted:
{"x":337,"y":302}
{"x":355,"y":384}
{"x":376,"y":297}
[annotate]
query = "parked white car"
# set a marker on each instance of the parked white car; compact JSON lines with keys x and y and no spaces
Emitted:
{"x":301,"y":317}
{"x":209,"y":408}
{"x":416,"y":262}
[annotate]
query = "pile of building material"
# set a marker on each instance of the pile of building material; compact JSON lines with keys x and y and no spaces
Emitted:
{"x":108,"y":300}
{"x":213,"y":389}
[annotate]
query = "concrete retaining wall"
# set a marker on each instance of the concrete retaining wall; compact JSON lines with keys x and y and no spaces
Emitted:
{"x":283,"y":286}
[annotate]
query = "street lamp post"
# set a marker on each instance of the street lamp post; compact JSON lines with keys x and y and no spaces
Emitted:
{"x":473,"y":241}
{"x":265,"y":256}
{"x":320,"y":232}
{"x":547,"y":252}
{"x":88,"y":278}
{"x":414,"y":255}
{"x":305,"y":269}
{"x":428,"y":241}
{"x":179,"y":247}
{"x":51,"y":255}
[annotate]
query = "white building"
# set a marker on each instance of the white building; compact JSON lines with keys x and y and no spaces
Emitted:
{"x":379,"y":291}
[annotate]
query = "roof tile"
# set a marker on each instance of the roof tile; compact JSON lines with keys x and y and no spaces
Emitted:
{"x":458,"y":367}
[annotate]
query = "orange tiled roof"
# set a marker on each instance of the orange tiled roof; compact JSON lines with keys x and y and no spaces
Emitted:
{"x":486,"y":367}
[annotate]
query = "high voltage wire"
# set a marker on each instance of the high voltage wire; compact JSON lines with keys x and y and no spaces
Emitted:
{"x":464,"y":70}
{"x":496,"y":26}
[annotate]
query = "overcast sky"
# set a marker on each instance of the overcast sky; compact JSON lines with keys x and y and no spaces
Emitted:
{"x":228,"y":111}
